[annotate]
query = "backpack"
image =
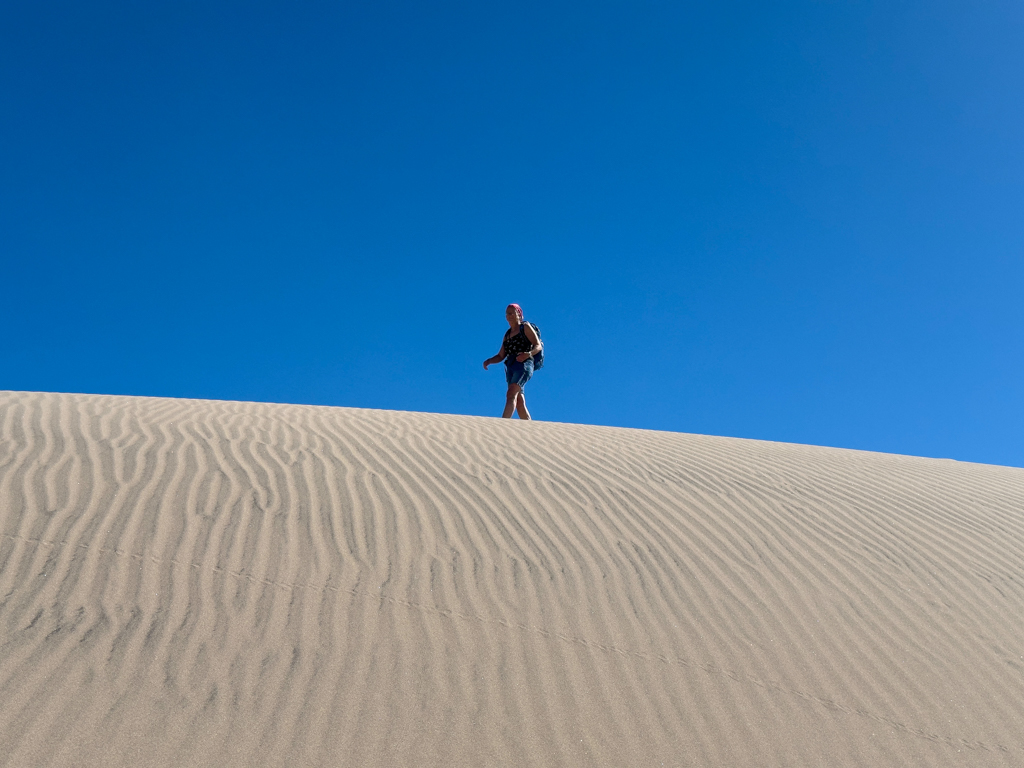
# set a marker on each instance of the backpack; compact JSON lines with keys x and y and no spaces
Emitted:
{"x":538,"y":359}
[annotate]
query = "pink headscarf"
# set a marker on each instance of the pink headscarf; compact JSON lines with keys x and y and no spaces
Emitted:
{"x":518,"y":309}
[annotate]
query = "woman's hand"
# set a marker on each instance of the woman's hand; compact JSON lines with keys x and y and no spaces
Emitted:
{"x":486,"y":363}
{"x":522,"y":357}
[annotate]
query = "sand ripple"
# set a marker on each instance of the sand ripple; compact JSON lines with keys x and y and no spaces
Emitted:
{"x":213,"y":583}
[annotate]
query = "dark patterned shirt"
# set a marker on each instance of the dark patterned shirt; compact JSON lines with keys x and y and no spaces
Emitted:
{"x":516,"y":345}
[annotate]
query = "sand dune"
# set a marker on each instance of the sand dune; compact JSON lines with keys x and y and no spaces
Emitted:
{"x":214,"y":583}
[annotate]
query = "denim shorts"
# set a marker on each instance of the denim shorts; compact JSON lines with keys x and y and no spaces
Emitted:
{"x":519,"y":373}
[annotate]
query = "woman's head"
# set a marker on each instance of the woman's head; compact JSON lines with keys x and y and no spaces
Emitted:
{"x":514,"y":314}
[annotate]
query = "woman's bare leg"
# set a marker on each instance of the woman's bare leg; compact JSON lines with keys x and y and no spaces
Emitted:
{"x":521,"y":406}
{"x":510,"y":400}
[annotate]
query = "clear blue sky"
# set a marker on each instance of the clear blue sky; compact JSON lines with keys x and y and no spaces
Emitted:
{"x":797,"y":221}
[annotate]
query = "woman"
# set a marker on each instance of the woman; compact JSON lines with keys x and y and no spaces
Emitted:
{"x":517,"y":350}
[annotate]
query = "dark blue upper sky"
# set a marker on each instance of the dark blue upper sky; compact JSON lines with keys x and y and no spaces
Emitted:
{"x":796,"y":221}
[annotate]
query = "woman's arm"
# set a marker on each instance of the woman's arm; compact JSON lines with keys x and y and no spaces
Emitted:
{"x":535,"y":345}
{"x":497,"y":358}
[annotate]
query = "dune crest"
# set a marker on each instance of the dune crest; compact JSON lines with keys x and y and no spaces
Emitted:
{"x":216,"y":583}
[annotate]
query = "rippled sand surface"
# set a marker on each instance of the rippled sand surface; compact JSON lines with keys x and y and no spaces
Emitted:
{"x":195,"y":583}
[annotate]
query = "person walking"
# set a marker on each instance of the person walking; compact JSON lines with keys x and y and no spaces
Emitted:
{"x":518,"y":348}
